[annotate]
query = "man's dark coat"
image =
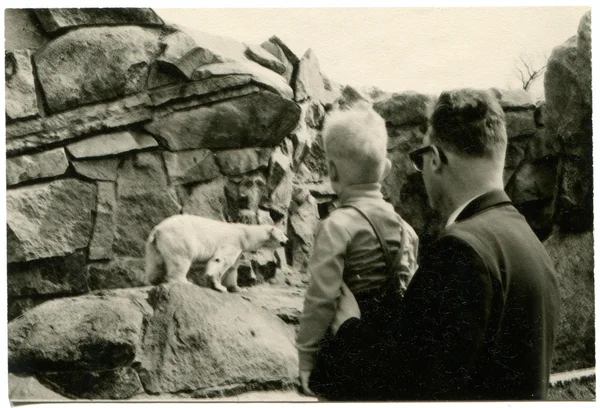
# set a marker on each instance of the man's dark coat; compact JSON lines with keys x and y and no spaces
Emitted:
{"x":478,"y":320}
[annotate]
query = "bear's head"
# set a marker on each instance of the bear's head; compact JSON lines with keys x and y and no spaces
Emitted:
{"x":277,"y":238}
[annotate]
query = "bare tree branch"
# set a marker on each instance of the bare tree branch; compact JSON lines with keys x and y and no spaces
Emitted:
{"x":528,"y":71}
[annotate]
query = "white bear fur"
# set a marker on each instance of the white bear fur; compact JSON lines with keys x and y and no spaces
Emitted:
{"x":179,"y":240}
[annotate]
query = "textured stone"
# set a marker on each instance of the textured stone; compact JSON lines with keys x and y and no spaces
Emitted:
{"x":52,"y":276}
{"x":280,"y":186}
{"x":19,"y":305}
{"x":285,"y":303}
{"x":144,"y":199}
{"x":533,"y":181}
{"x":239,"y":161}
{"x":244,"y":194}
{"x":117,"y":273}
{"x":36,"y":166}
{"x":520,"y":123}
{"x":259,"y":74}
{"x":121,"y":383}
{"x":573,"y":256}
{"x":105,"y":63}
{"x":574,"y":210}
{"x":264,"y":264}
{"x":60,"y":19}
{"x":225,"y":48}
{"x":568,"y":90}
{"x":110,"y":144}
{"x":314,"y":115}
{"x":540,"y":114}
{"x":351,"y":96}
{"x":20,"y":97}
{"x":99,"y":169}
{"x":21,"y":32}
{"x":209,"y":90}
{"x":28,"y":388}
{"x":405,"y":109}
{"x":31,"y":134}
{"x":191,"y":166}
{"x":264,"y":58}
{"x":303,"y":221}
{"x":278,"y":48}
{"x":104,"y":227}
{"x":542,"y":144}
{"x":50,"y":219}
{"x":260,"y":119}
{"x":207,"y":200}
{"x":99,"y":334}
{"x":309,"y":82}
{"x":513,"y":99}
{"x":175,"y":45}
{"x":198,"y":339}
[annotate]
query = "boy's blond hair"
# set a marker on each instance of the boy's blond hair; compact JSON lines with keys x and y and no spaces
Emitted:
{"x":355,"y":139}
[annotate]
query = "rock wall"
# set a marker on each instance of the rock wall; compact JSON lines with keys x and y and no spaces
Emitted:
{"x":117,"y":120}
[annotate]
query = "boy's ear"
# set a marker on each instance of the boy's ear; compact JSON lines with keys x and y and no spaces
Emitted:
{"x":333,"y":171}
{"x":387,"y":167}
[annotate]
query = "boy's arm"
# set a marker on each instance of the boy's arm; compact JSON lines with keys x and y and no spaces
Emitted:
{"x":326,"y":268}
{"x":407,"y":254}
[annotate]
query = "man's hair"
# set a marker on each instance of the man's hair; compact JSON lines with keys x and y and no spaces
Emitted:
{"x":357,"y":137}
{"x":469,"y":122}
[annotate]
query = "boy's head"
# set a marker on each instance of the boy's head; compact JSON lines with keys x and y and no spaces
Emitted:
{"x":355,"y":142}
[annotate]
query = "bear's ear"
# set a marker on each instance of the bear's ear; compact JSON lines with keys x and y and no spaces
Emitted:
{"x":273,"y":231}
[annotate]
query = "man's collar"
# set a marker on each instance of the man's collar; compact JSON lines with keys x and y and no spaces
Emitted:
{"x":360,"y":191}
{"x":457,"y":211}
{"x":483,"y":202}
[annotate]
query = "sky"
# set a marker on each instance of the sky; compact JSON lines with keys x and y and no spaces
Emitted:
{"x":426,"y":49}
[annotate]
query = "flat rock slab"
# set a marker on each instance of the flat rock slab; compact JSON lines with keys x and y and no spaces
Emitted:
{"x":20,"y":95}
{"x":26,"y":388}
{"x":259,"y":119}
{"x":97,"y":169}
{"x":50,"y":219}
{"x":405,"y":109}
{"x":266,"y":59}
{"x":258,"y":73}
{"x":513,"y":99}
{"x":104,"y":227}
{"x":111,"y":144}
{"x":234,"y":162}
{"x":36,"y":166}
{"x":116,"y":274}
{"x":207,"y":199}
{"x":53,"y":276}
{"x":199,"y":339}
{"x":58,"y":19}
{"x":105,"y":63}
{"x":71,"y":334}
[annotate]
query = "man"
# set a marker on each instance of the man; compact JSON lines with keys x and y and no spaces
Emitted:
{"x":479,"y":317}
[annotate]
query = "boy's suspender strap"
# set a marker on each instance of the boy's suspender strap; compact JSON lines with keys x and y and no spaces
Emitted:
{"x":386,"y":250}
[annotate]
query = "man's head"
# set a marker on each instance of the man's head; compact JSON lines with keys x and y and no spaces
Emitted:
{"x":355,"y":142}
{"x":465,"y":147}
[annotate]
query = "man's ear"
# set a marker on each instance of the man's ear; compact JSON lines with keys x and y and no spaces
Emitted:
{"x":334,"y":175}
{"x":387,"y":167}
{"x":436,"y":160}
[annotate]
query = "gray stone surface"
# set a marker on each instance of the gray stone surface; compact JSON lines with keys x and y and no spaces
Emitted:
{"x":309,"y":82}
{"x":104,"y":228}
{"x":28,"y":388}
{"x":259,"y":119}
{"x":405,"y":109}
{"x":105,"y":63}
{"x":207,"y":199}
{"x":117,"y":273}
{"x":198,"y":339}
{"x":99,"y":169}
{"x":19,"y":89}
{"x":52,"y":276}
{"x":144,"y":199}
{"x":36,"y":166}
{"x":49,"y":219}
{"x":55,"y":19}
{"x":21,"y":32}
{"x":191,"y":166}
{"x":513,"y":99}
{"x":118,"y":384}
{"x":573,"y":256}
{"x":111,"y":144}
{"x":99,"y":334}
{"x":520,"y":123}
{"x":303,"y":221}
{"x":264,"y":58}
{"x":280,"y":50}
{"x":261,"y":75}
{"x":31,"y":134}
{"x":234,"y":162}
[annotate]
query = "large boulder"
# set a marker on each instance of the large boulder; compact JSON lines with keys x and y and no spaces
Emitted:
{"x":206,"y":199}
{"x":60,"y":19}
{"x":104,"y":63}
{"x":280,"y":50}
{"x":573,"y":256}
{"x":258,"y":119}
{"x":49,"y":219}
{"x":36,"y":166}
{"x":122,"y":272}
{"x":405,"y":109}
{"x":198,"y":339}
{"x":75,"y":334}
{"x":191,"y":166}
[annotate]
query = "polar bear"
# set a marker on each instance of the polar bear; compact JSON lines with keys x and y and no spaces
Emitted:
{"x":179,"y":240}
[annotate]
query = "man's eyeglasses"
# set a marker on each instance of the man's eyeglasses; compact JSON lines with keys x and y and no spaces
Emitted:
{"x":416,"y":156}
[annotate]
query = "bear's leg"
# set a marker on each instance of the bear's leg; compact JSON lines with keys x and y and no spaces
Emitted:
{"x":230,"y":279}
{"x":218,"y":267}
{"x":177,"y":269}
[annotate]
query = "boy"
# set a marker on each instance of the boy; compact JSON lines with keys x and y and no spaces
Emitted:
{"x":364,"y":243}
